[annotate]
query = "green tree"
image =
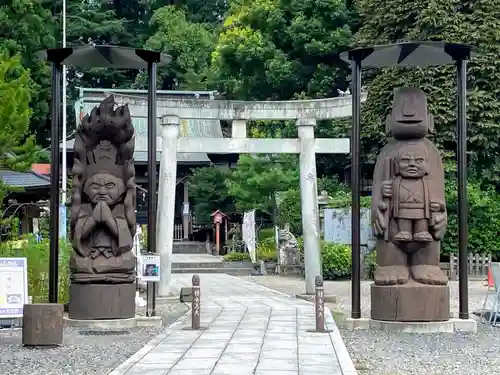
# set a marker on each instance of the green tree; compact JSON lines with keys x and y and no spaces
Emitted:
{"x":209,"y":192}
{"x":472,"y":22}
{"x":189,"y":44}
{"x":257,"y":179}
{"x":276,"y":49}
{"x":26,"y":27}
{"x":17,"y":151}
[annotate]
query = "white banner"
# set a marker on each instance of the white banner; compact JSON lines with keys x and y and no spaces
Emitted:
{"x":249,"y":233}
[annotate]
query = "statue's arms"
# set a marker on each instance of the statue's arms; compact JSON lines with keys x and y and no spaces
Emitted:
{"x":88,"y":226}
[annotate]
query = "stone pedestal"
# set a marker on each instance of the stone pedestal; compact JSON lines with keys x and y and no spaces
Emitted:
{"x":102,"y":301}
{"x":412,"y":302}
{"x":43,"y":324}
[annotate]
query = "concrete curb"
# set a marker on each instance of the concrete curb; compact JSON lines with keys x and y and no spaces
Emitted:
{"x":450,"y":326}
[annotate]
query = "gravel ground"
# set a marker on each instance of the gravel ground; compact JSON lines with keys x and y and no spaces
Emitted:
{"x":382,"y":353}
{"x":82,"y":352}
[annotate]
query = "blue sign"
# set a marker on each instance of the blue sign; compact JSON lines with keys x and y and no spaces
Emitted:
{"x":62,"y":222}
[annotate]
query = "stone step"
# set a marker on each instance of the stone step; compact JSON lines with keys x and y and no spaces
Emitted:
{"x":226,"y":270}
{"x":205,"y":264}
{"x":188,"y":247}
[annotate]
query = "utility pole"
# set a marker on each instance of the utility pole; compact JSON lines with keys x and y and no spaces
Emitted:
{"x":64,"y":183}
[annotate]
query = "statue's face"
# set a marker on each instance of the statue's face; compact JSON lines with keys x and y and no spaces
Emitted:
{"x":104,"y":187}
{"x":413,"y":164}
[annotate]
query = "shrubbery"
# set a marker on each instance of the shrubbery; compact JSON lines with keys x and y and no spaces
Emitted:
{"x":336,"y":259}
{"x":37,"y":254}
{"x":236,"y":257}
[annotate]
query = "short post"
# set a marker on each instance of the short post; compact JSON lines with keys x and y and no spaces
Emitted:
{"x":320,"y":306}
{"x":195,"y":304}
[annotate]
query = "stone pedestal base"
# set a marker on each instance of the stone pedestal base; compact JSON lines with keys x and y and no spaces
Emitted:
{"x":102,"y":301}
{"x":412,"y":302}
{"x":43,"y":324}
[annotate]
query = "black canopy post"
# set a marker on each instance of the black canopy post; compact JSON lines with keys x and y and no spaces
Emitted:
{"x":92,"y":56}
{"x":411,"y":55}
{"x":55,"y":172}
{"x":463,"y":203}
{"x":355,"y":181}
{"x":462,"y":54}
{"x":55,"y":57}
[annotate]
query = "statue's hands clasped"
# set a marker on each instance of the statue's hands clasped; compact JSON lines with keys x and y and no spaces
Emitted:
{"x":101,"y":212}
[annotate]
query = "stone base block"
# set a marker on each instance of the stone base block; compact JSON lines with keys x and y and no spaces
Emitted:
{"x":102,"y":301}
{"x":449,"y":326}
{"x":412,"y":302}
{"x":312,"y":298}
{"x":43,"y":324}
{"x":102,"y":325}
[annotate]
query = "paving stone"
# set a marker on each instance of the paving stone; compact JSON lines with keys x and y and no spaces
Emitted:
{"x":150,"y":369}
{"x":195,"y":364}
{"x":232,"y":369}
{"x":279,"y":354}
{"x":319,"y":370}
{"x":204,"y":353}
{"x":243,"y":348}
{"x":278,"y":364}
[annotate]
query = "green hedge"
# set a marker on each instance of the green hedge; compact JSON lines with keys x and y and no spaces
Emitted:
{"x":37,"y":254}
{"x":336,"y":259}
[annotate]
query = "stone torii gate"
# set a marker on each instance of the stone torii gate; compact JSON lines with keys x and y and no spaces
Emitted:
{"x":305,"y":112}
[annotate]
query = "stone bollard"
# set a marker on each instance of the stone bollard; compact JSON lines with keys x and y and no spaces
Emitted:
{"x":320,"y":306}
{"x":43,"y":325}
{"x":195,"y":303}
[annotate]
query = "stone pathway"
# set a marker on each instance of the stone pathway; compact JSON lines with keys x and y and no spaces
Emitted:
{"x":250,"y":330}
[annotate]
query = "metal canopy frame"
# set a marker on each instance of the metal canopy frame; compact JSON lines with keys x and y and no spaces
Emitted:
{"x":96,"y":56}
{"x":410,"y":55}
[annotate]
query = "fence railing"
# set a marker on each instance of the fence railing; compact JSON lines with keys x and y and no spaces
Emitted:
{"x":178,"y":232}
{"x":477,"y":266}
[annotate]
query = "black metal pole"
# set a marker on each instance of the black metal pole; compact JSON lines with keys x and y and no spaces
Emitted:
{"x":355,"y":180}
{"x":462,"y":188}
{"x":55,"y":140}
{"x":152,"y":171}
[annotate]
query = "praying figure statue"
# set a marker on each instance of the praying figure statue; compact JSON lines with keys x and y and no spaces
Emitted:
{"x":103,"y":214}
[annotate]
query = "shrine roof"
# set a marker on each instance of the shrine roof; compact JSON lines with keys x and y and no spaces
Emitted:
{"x":28,"y":179}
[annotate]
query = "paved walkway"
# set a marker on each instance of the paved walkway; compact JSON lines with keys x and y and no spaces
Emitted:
{"x":251,"y":330}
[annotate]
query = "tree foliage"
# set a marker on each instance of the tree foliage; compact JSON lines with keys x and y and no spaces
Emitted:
{"x":209,"y":192}
{"x":189,"y":44}
{"x":472,"y":22}
{"x":17,"y":151}
{"x":256,"y":180}
{"x":26,"y":27}
{"x":275,"y":49}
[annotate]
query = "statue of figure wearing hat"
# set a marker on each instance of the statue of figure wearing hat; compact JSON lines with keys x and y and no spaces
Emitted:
{"x":103,"y":204}
{"x":408,"y":205}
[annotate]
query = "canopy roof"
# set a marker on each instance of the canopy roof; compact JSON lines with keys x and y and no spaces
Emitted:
{"x":96,"y":56}
{"x":409,"y":54}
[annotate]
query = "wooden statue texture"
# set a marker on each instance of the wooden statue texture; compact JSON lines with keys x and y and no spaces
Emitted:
{"x":409,"y":216}
{"x":103,"y":215}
